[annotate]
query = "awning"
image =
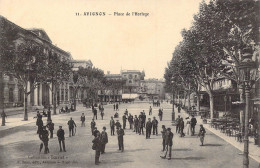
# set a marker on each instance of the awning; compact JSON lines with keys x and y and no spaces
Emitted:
{"x":129,"y":96}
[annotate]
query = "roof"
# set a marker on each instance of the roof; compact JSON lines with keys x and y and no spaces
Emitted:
{"x":41,"y":33}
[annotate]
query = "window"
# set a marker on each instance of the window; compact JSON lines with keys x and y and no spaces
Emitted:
{"x":11,"y":95}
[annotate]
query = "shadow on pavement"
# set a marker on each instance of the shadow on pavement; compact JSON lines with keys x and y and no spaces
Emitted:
{"x":213,"y":145}
{"x":189,"y":158}
{"x":184,"y":149}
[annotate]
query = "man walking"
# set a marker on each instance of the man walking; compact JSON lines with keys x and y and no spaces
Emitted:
{"x":61,"y":138}
{"x":44,"y":137}
{"x":150,"y":110}
{"x":104,"y":140}
{"x":163,"y":136}
{"x":120,"y":136}
{"x":148,"y":128}
{"x":97,"y":147}
{"x":155,"y":126}
{"x":82,"y":119}
{"x":201,"y":134}
{"x":71,"y":125}
{"x":112,"y":126}
{"x":92,"y":125}
{"x":193,"y":124}
{"x":168,"y":142}
{"x":124,"y":121}
{"x":50,"y":126}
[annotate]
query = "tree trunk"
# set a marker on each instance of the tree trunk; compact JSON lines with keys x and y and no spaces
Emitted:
{"x":242,"y":111}
{"x":185,"y":98}
{"x":189,"y":100}
{"x":198,"y":101}
{"x":54,"y":95}
{"x":75,"y":101}
{"x":211,"y":104}
{"x":25,"y":105}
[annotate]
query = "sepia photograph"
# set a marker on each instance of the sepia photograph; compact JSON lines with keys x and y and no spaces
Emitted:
{"x":130,"y":83}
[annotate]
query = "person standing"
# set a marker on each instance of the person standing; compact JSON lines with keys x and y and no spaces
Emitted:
{"x":82,"y":119}
{"x":168,"y":142}
{"x":116,"y":106}
{"x":95,"y":113}
{"x":188,"y":129}
{"x":179,"y":108}
{"x":102,"y":112}
{"x":120,"y":136}
{"x":130,"y":120}
{"x":150,"y":110}
{"x":136,"y":123}
{"x":126,"y":112}
{"x":193,"y":124}
{"x":39,"y":123}
{"x":144,"y":118}
{"x":117,"y":124}
{"x":178,"y":120}
{"x":124,"y":121}
{"x":163,"y":136}
{"x":104,"y":140}
{"x":50,"y":126}
{"x":182,"y":127}
{"x":160,"y":114}
{"x":201,"y":134}
{"x":112,"y":126}
{"x":155,"y":126}
{"x":97,"y":147}
{"x":44,"y":137}
{"x":92,"y":125}
{"x":61,"y":138}
{"x":148,"y":128}
{"x":95,"y":131}
{"x":141,"y":126}
{"x":71,"y":125}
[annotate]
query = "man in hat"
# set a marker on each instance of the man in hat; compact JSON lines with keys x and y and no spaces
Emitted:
{"x":97,"y":147}
{"x":120,"y":136}
{"x":163,"y":136}
{"x":44,"y":137}
{"x":148,"y":128}
{"x":50,"y":126}
{"x":104,"y":140}
{"x":168,"y":142}
{"x":92,"y":125}
{"x":117,"y":124}
{"x":124,"y":121}
{"x":150,"y":110}
{"x":193,"y":123}
{"x":155,"y":126}
{"x":71,"y":125}
{"x":136,"y":122}
{"x":95,"y":131}
{"x":130,"y":120}
{"x":82,"y":119}
{"x":61,"y":138}
{"x":112,"y":126}
{"x":201,"y":134}
{"x":39,"y":123}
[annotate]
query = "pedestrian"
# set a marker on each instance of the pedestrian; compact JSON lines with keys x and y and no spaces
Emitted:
{"x":44,"y":137}
{"x":179,"y":108}
{"x":102,"y":112}
{"x":144,"y":118}
{"x":160,"y":114}
{"x":82,"y":119}
{"x":193,"y":124}
{"x":104,"y":140}
{"x":201,"y":134}
{"x":92,"y":126}
{"x":141,"y":126}
{"x":50,"y":126}
{"x":124,"y":121}
{"x":112,"y":126}
{"x":61,"y":138}
{"x":95,"y":131}
{"x":117,"y":124}
{"x":117,"y":107}
{"x":71,"y":125}
{"x":131,"y":121}
{"x":95,"y":113}
{"x":39,"y":123}
{"x":182,"y":127}
{"x":97,"y":147}
{"x":120,"y":136}
{"x":155,"y":126}
{"x":168,"y":142}
{"x":150,"y":110}
{"x":178,"y":120}
{"x":114,"y":107}
{"x":188,"y":128}
{"x":163,"y":136}
{"x":148,"y":128}
{"x":136,"y":123}
{"x":126,"y":112}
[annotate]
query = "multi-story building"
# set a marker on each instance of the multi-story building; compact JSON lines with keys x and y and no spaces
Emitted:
{"x":153,"y":89}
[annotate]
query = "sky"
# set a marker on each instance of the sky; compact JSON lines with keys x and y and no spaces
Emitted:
{"x":112,"y":42}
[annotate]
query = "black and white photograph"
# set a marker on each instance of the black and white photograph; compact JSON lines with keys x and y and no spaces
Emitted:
{"x":130,"y":83}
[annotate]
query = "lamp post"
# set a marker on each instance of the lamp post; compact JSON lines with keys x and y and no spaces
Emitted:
{"x":225,"y":100}
{"x":245,"y":70}
{"x":173,"y":112}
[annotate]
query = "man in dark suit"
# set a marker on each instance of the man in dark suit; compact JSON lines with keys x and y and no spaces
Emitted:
{"x":71,"y":125}
{"x":61,"y":138}
{"x":193,"y":124}
{"x":155,"y":126}
{"x":148,"y":128}
{"x":112,"y":126}
{"x":120,"y":136}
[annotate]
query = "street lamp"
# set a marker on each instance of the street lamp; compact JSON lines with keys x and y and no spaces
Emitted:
{"x":173,"y":112}
{"x":246,"y":71}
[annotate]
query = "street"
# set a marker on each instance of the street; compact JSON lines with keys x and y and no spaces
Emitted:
{"x":19,"y":146}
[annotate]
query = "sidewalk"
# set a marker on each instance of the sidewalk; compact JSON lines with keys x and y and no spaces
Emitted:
{"x":17,"y":120}
{"x":254,"y":150}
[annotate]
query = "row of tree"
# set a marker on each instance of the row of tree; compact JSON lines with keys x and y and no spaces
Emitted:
{"x":212,"y":48}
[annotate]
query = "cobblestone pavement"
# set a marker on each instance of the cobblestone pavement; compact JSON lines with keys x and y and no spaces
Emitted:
{"x":19,"y":145}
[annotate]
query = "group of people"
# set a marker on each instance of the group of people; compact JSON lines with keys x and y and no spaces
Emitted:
{"x":156,"y":103}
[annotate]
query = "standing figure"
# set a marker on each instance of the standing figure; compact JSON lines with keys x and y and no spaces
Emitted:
{"x":144,"y":118}
{"x":39,"y":123}
{"x":92,"y":125}
{"x":155,"y":126}
{"x":201,"y":134}
{"x":112,"y":126}
{"x":95,"y":113}
{"x":163,"y":136}
{"x":116,"y":106}
{"x":178,"y":120}
{"x":188,"y":129}
{"x":148,"y":128}
{"x":97,"y":147}
{"x":50,"y":126}
{"x":82,"y":119}
{"x":71,"y":125}
{"x":141,"y":126}
{"x":150,"y":110}
{"x":168,"y":142}
{"x":193,"y":123}
{"x":120,"y":136}
{"x":124,"y":121}
{"x":104,"y":140}
{"x":61,"y":138}
{"x":179,"y":109}
{"x":160,"y":114}
{"x":102,"y":112}
{"x":44,"y":137}
{"x":131,"y":121}
{"x":182,"y":127}
{"x":117,"y":124}
{"x":126,"y":112}
{"x":136,"y":123}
